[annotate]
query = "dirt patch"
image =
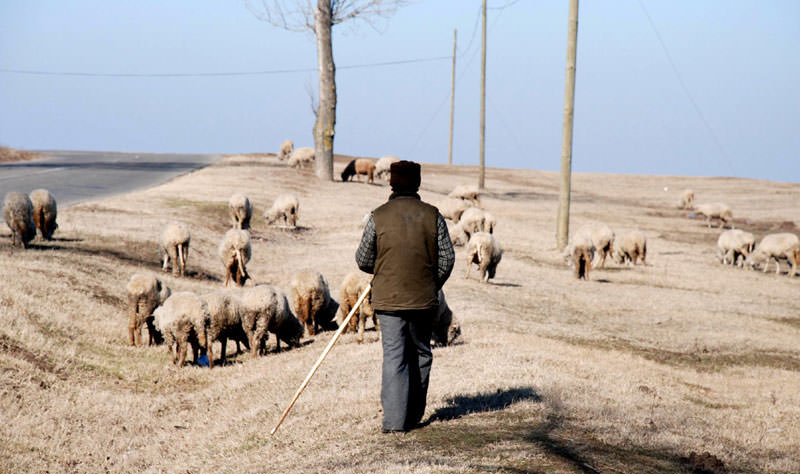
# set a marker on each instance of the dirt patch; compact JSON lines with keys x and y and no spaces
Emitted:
{"x":765,"y":226}
{"x":706,"y":463}
{"x":14,"y":349}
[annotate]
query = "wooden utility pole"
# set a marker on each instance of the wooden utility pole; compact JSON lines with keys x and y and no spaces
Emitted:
{"x":482,"y":176}
{"x":566,"y":136}
{"x":452,"y":99}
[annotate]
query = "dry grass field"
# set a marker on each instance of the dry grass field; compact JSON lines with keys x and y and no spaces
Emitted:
{"x":8,"y":155}
{"x":639,"y":369}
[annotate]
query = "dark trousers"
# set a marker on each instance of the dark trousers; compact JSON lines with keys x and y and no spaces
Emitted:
{"x":407,"y":358}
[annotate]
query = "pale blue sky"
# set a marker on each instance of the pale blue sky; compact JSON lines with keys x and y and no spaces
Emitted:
{"x":739,"y":61}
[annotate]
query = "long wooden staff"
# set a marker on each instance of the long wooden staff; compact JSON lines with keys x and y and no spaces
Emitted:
{"x":324,"y":354}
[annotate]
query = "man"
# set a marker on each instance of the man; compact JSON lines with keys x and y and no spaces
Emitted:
{"x":407,"y":247}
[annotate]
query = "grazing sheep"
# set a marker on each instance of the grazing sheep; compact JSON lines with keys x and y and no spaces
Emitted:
{"x":312,"y":301}
{"x":383,"y":166}
{"x":489,"y":222}
{"x":358,"y":167}
{"x":175,"y":247}
{"x":715,"y":210}
{"x":472,"y":220}
{"x":687,"y":199}
{"x":287,"y":147}
{"x":18,"y":213}
{"x":287,"y":207}
{"x":581,"y":256}
{"x":183,"y":319}
{"x":353,"y":285}
{"x":735,"y":243}
{"x":44,"y":212}
{"x":265,"y":308}
{"x":225,"y":321}
{"x":483,"y":250}
{"x":467,"y":192}
{"x":235,"y":251}
{"x":452,"y":208}
{"x":285,"y":325}
{"x":145,"y":294}
{"x":778,"y":246}
{"x":630,"y":247}
{"x":446,"y":327}
{"x":301,"y":157}
{"x":602,"y":238}
{"x":241,"y":211}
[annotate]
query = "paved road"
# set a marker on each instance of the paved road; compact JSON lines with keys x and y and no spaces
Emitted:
{"x":76,"y":176}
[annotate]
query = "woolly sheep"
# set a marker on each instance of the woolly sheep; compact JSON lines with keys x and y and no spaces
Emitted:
{"x":45,"y":212}
{"x":778,"y":246}
{"x":630,"y":247}
{"x":301,"y":157}
{"x":467,"y":192}
{"x":602,"y":238}
{"x":286,"y":207}
{"x":735,"y":243}
{"x":312,"y":302}
{"x":241,"y":211}
{"x":286,"y":149}
{"x":175,"y":247}
{"x":225,"y":321}
{"x":489,"y":222}
{"x":452,"y":208}
{"x":687,"y":199}
{"x":715,"y":210}
{"x":472,"y":220}
{"x":446,"y":327}
{"x":580,"y":255}
{"x":358,"y":167}
{"x":145,"y":294}
{"x":483,"y":250}
{"x":352,"y":286}
{"x":18,"y":213}
{"x":235,"y":251}
{"x":183,"y":319}
{"x":383,"y":166}
{"x":265,"y":308}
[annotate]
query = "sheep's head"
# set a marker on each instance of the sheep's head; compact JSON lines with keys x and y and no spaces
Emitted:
{"x":492,"y":268}
{"x":458,"y":235}
{"x":453,"y":332}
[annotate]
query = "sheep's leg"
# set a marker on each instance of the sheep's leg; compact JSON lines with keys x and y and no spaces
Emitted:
{"x":210,"y":351}
{"x":277,"y":343}
{"x":227,"y":276}
{"x":181,"y":351}
{"x":362,"y":321}
{"x":180,"y":259}
{"x":166,"y":262}
{"x":254,"y":344}
{"x":777,"y":266}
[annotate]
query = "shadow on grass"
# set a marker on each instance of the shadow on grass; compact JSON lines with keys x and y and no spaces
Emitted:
{"x":461,"y":405}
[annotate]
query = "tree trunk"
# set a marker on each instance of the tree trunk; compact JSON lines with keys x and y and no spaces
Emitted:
{"x":326,"y":112}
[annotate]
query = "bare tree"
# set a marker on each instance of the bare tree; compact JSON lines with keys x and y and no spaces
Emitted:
{"x":303,"y":15}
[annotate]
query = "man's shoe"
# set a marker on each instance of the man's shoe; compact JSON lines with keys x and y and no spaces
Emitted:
{"x":386,"y":431}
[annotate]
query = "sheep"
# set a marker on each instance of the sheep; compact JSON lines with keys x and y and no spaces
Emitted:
{"x":174,"y":247}
{"x":263,"y":309}
{"x":687,"y":199}
{"x":358,"y":167}
{"x":287,"y":147}
{"x":44,"y":212}
{"x":580,"y":254}
{"x":352,"y":287}
{"x":225,"y":321}
{"x":472,"y":220}
{"x":235,"y":251}
{"x":18,"y":213}
{"x":145,"y":294}
{"x":630,"y":247}
{"x":489,"y":222}
{"x":286,"y":207}
{"x":241,"y":211}
{"x":602,"y":238}
{"x":715,"y":210}
{"x":446,"y":327}
{"x":778,"y":246}
{"x":483,"y":250}
{"x":452,"y":208}
{"x":312,"y":301}
{"x":383,"y":166}
{"x":183,"y":319}
{"x":301,"y":157}
{"x":467,"y":192}
{"x":734,"y":243}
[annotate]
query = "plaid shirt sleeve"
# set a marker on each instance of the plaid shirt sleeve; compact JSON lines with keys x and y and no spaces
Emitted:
{"x":446,"y":255}
{"x":368,"y":248}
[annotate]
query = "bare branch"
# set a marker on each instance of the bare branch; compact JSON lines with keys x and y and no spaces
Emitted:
{"x":312,"y":98}
{"x":299,"y":15}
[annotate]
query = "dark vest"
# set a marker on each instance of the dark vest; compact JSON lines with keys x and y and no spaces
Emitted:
{"x":406,"y":263}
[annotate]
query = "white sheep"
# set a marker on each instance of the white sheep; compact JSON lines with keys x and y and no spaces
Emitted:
{"x":241,"y":211}
{"x":630,"y":247}
{"x":383,"y":166}
{"x":489,"y":222}
{"x":174,"y":247}
{"x":352,"y":286}
{"x":145,"y":294}
{"x":687,"y":199}
{"x":484,"y":251}
{"x":467,"y":192}
{"x":264,"y":308}
{"x":301,"y":157}
{"x":225,"y":321}
{"x":446,"y":327}
{"x":45,"y":212}
{"x":452,"y":208}
{"x":287,"y":147}
{"x":183,"y":319}
{"x":471,"y":221}
{"x":580,"y":253}
{"x":235,"y":251}
{"x":735,"y":243}
{"x":286,"y":207}
{"x":715,"y":210}
{"x":778,"y":246}
{"x":18,"y":213}
{"x":602,"y":238}
{"x":311,"y":298}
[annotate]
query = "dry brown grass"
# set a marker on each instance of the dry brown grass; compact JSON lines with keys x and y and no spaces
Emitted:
{"x":631,"y":371}
{"x":8,"y":155}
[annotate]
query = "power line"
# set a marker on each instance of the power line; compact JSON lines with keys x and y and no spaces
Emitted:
{"x":215,"y":74}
